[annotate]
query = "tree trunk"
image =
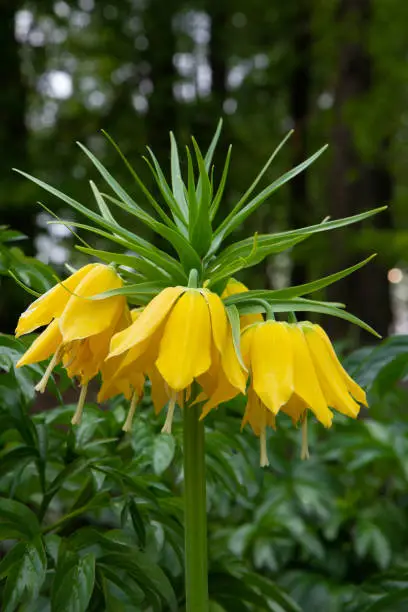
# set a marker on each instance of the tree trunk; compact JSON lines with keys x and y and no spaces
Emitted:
{"x":299,"y":211}
{"x":356,"y":184}
{"x":13,"y":131}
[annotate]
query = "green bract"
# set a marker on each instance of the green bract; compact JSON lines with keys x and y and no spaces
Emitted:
{"x":184,"y":217}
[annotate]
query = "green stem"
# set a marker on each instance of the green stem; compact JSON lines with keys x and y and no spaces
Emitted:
{"x":195,"y":513}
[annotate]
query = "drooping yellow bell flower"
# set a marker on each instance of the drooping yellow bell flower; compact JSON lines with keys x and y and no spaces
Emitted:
{"x":233,"y":287}
{"x":80,"y":332}
{"x":293,"y":368}
{"x":180,"y":335}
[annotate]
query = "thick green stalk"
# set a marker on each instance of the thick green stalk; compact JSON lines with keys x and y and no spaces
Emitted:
{"x":195,"y":521}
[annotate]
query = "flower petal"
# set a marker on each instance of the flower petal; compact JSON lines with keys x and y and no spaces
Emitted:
{"x":332,"y":384}
{"x":233,"y":287}
{"x":306,"y":384}
{"x":43,"y":346}
{"x":272,"y":364}
{"x":51,"y":304}
{"x":356,"y":391}
{"x":218,"y":318}
{"x":185,"y":347}
{"x":82,"y":317}
{"x":148,"y":321}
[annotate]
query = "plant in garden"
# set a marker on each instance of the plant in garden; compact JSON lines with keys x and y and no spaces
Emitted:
{"x":196,"y":336}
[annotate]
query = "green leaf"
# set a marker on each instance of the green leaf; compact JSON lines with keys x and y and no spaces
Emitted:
{"x":142,"y":186}
{"x":272,"y":591}
{"x":165,"y":190}
{"x":213,"y":144}
{"x":220,"y":191}
{"x":73,"y":583}
{"x":298,"y":290}
{"x":238,"y":257}
{"x":18,"y":519}
{"x":146,"y":573}
{"x":164,"y":447}
{"x":185,"y":251}
{"x":302,"y":304}
{"x":103,"y":207}
{"x":25,"y":566}
{"x":233,"y":316}
{"x":176,"y":179}
{"x":250,"y":189}
{"x":137,"y":522}
{"x":387,"y":603}
{"x":239,"y":214}
{"x":200,"y":229}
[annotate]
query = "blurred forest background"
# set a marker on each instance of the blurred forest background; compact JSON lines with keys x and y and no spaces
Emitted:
{"x":333,"y":70}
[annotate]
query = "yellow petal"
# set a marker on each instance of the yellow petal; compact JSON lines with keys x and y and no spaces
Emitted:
{"x":231,"y":366}
{"x":272,"y":364}
{"x":51,"y":304}
{"x":294,"y":408}
{"x":84,"y":317}
{"x":185,"y":347}
{"x":43,"y":346}
{"x":159,"y":391}
{"x":306,"y":384}
{"x":331,"y":382}
{"x":233,"y":287}
{"x":355,"y":389}
{"x":146,"y":324}
{"x":218,"y":318}
{"x":256,"y":414}
{"x":246,"y":344}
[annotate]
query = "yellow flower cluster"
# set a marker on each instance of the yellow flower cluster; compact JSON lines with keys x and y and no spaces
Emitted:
{"x":183,"y":335}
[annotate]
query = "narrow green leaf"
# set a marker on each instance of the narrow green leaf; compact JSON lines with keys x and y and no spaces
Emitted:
{"x":220,"y":191}
{"x":238,"y":216}
{"x":300,"y":290}
{"x":251,"y":188}
{"x":213,"y":144}
{"x":301,"y":304}
{"x":233,"y":317}
{"x":176,"y":179}
{"x":191,"y":191}
{"x":240,"y":257}
{"x":105,"y":212}
{"x":165,"y":190}
{"x":138,"y":180}
{"x":185,"y":251}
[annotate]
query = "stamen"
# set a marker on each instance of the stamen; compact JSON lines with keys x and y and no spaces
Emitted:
{"x":131,"y":413}
{"x":304,"y":453}
{"x":170,"y":414}
{"x":40,"y":387}
{"x":264,"y":461}
{"x":76,"y":419}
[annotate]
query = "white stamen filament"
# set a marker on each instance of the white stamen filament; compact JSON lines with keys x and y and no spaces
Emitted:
{"x":76,"y":419}
{"x":304,"y":454}
{"x":40,"y":387}
{"x":131,"y":413}
{"x":170,"y":414}
{"x":264,"y":461}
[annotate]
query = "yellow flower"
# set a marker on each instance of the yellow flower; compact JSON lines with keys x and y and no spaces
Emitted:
{"x":293,"y":368}
{"x":233,"y":287}
{"x":79,"y":329}
{"x":179,"y":338}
